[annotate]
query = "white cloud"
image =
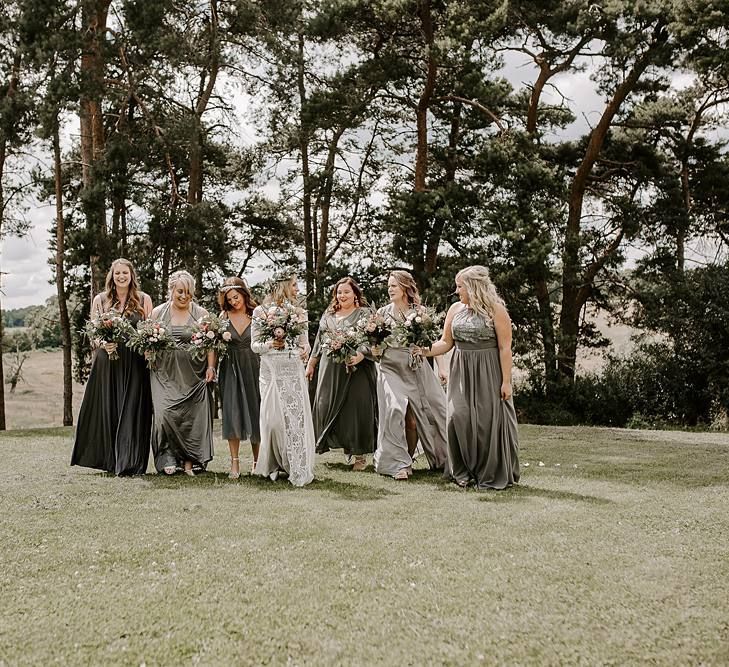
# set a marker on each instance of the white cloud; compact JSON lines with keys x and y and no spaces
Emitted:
{"x":24,"y":262}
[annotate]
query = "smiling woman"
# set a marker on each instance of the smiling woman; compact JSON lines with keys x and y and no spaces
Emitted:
{"x":182,"y":432}
{"x":115,"y":416}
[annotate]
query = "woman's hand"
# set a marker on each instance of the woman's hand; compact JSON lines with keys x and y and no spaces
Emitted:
{"x":110,"y":348}
{"x":278,"y":343}
{"x":443,"y":376}
{"x":310,"y":368}
{"x":418,"y":351}
{"x":376,"y":351}
{"x":506,"y":391}
{"x":303,"y":354}
{"x":211,"y":374}
{"x":355,"y":359}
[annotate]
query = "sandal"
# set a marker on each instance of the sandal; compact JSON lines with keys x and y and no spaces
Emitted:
{"x":360,"y":463}
{"x":401,"y":474}
{"x":170,"y":470}
{"x":231,"y":474}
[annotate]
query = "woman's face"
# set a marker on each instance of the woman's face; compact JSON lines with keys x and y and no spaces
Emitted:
{"x":180,"y":296}
{"x":235,"y":299}
{"x":461,"y":291}
{"x":294,"y":287}
{"x":394,"y":291}
{"x":122,"y":276}
{"x":345,"y":296}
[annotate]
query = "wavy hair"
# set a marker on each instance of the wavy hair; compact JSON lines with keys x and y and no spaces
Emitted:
{"x":133,"y":303}
{"x":407,"y":284}
{"x":281,"y":290}
{"x":184,"y":277}
{"x":482,"y":294}
{"x":235,"y":284}
{"x":359,"y":300}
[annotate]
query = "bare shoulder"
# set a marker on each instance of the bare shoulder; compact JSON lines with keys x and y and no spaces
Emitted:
{"x":500,"y":313}
{"x":156,"y":311}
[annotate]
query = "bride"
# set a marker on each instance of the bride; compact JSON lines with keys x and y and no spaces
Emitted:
{"x":287,"y":433}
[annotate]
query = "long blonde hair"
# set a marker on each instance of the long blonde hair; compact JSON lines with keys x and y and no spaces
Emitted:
{"x":407,"y":284}
{"x":281,"y":290}
{"x":134,"y":296}
{"x":482,"y":294}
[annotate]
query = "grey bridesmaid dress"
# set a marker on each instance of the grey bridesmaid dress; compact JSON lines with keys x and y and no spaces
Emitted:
{"x":345,"y":405}
{"x":483,"y":445}
{"x":240,"y":394}
{"x":398,"y":386}
{"x":114,"y":422}
{"x":182,"y":428}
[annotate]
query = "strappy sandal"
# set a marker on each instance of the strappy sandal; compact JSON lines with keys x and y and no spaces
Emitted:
{"x":231,"y":474}
{"x":170,"y":470}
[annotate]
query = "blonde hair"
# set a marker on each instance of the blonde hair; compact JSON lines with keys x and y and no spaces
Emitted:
{"x":281,"y":290}
{"x":407,"y":284}
{"x":134,"y":297}
{"x":183,"y":277}
{"x":482,"y":295}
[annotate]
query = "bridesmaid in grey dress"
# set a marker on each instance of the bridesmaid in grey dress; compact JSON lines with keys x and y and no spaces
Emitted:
{"x":345,"y":405}
{"x":239,"y":370}
{"x":483,"y":446}
{"x":182,"y":429}
{"x":412,"y":404}
{"x":116,"y":412}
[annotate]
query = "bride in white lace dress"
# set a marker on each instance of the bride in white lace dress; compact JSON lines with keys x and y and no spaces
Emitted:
{"x":287,"y":433}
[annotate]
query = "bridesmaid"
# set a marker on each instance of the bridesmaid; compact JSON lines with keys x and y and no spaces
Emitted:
{"x":287,"y":434}
{"x":483,"y":447}
{"x":345,"y":405}
{"x":182,"y":430}
{"x":412,"y":404}
{"x":240,"y":395}
{"x":116,"y":411}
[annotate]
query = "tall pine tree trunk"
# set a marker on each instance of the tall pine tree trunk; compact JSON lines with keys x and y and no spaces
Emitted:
{"x":94,"y":17}
{"x":304,"y":138}
{"x":65,"y":322}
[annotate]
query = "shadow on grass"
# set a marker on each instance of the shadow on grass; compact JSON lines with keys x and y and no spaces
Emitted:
{"x":349,"y":490}
{"x":346,"y":490}
{"x":54,"y":431}
{"x":522,"y":492}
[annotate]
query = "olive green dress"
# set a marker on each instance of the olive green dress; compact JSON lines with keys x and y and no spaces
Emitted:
{"x":345,"y":405}
{"x":182,"y":429}
{"x":483,"y":443}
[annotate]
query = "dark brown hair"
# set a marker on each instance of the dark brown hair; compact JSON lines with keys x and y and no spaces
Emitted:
{"x":359,"y":300}
{"x":237,"y":285}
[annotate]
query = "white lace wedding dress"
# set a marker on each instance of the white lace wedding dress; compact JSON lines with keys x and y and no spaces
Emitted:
{"x":287,"y":433}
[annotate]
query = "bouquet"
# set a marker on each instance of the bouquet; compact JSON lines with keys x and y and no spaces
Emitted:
{"x":285,"y":322}
{"x":374,"y":328}
{"x":149,"y":338}
{"x":419,"y":328}
{"x":209,"y":333}
{"x":341,"y":345}
{"x":109,"y":327}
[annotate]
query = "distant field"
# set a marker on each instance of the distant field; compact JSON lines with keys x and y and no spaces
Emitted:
{"x":38,"y":401}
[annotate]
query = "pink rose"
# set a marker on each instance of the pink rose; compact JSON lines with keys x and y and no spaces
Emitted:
{"x":227,"y":336}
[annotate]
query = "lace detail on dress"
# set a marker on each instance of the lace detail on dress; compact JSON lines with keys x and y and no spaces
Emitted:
{"x":468,"y":326}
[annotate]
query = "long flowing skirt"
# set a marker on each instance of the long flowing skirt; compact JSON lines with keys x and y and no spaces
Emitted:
{"x":399,"y":386}
{"x":345,"y":408}
{"x":183,"y":411}
{"x":114,"y":423}
{"x":287,"y":433}
{"x":483,"y":443}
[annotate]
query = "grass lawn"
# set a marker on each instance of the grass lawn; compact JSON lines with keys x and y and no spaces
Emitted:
{"x":615,"y":551}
